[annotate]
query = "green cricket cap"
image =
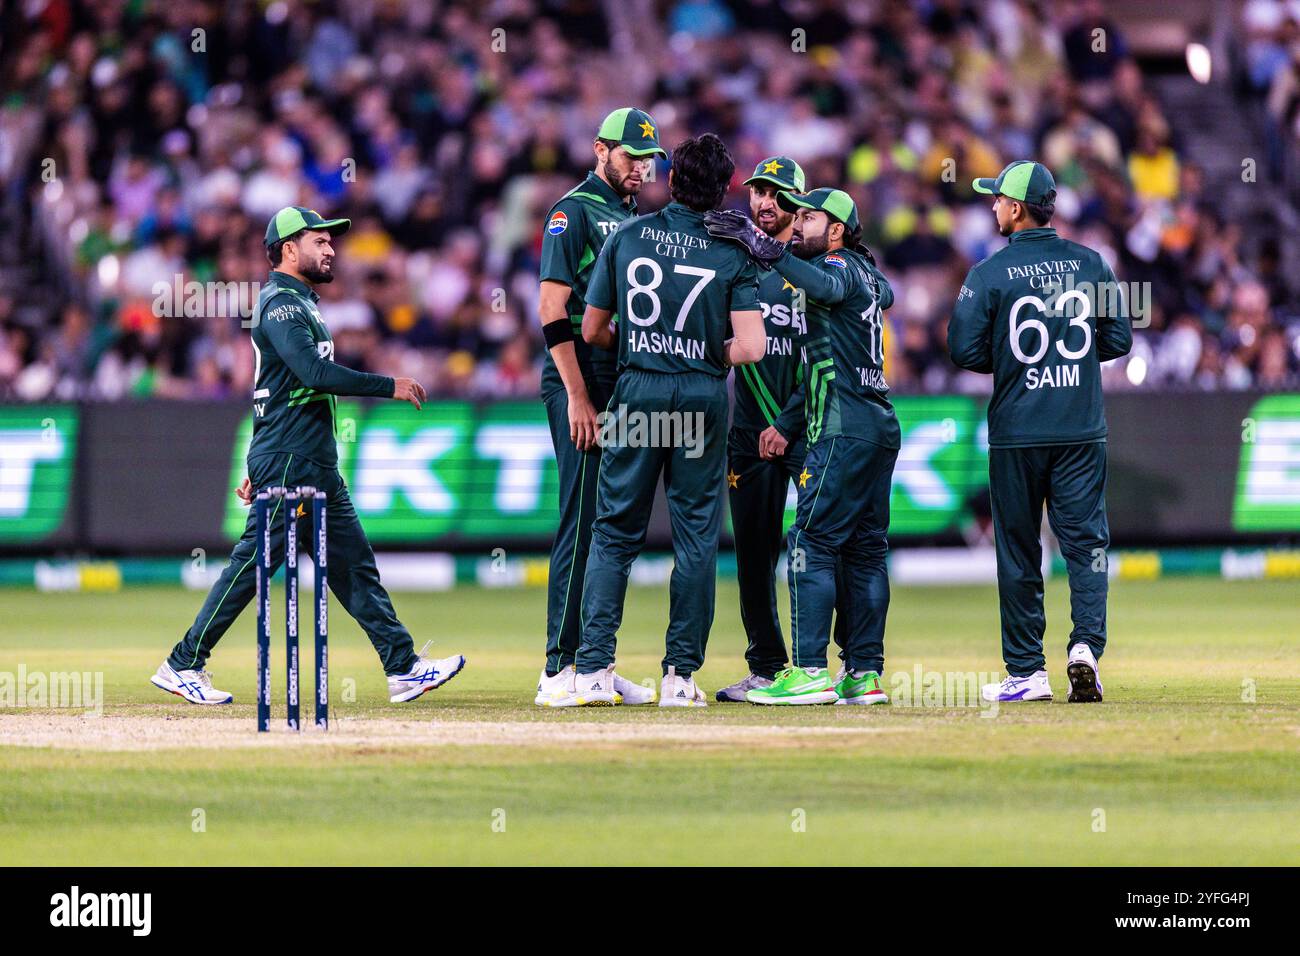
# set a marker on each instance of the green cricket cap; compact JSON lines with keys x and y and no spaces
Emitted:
{"x":292,"y":219}
{"x":634,"y":130}
{"x":836,"y":202}
{"x":782,"y":171}
{"x":1024,"y":180}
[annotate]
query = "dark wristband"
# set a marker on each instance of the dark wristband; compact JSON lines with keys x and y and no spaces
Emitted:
{"x":557,"y":333}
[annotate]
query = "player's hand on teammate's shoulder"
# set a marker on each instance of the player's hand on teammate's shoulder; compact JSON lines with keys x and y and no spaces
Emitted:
{"x":771,"y":443}
{"x":735,"y":226}
{"x":409,"y":390}
{"x":582,"y":421}
{"x":245,"y":491}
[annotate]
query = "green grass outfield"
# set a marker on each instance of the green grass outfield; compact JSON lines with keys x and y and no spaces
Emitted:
{"x":1179,"y":766}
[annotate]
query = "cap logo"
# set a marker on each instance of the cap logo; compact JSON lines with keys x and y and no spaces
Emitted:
{"x":837,"y":261}
{"x":559,"y":222}
{"x":771,"y":167}
{"x":647,"y":130}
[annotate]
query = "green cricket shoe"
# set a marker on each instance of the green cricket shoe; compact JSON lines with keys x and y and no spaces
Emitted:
{"x":860,"y":690}
{"x":795,"y":685}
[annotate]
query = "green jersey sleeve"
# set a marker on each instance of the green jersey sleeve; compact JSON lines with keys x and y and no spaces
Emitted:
{"x":288,"y":329}
{"x":1114,"y":331}
{"x":564,"y":240}
{"x":827,"y":284}
{"x":970,"y":341}
{"x":744,"y":291}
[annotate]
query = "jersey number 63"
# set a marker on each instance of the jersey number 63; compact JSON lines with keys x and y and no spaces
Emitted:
{"x":1080,"y":321}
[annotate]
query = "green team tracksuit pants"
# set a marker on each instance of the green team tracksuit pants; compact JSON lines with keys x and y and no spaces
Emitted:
{"x":758,"y":498}
{"x":843,"y":517}
{"x":578,"y":474}
{"x":1071,"y":480}
{"x":352,"y":574}
{"x":693,"y":481}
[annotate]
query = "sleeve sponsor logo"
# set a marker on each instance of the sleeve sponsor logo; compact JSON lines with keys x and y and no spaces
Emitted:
{"x":965,"y":293}
{"x":838,"y":261}
{"x":559,"y":222}
{"x":281,"y":312}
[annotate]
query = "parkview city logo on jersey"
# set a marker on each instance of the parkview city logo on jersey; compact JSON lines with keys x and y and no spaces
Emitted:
{"x":559,"y":222}
{"x":836,"y":261}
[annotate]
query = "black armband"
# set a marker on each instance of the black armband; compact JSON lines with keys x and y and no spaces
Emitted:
{"x":557,"y":333}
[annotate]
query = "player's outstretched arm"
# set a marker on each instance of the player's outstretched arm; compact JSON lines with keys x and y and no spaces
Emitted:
{"x":824,"y":284}
{"x":735,"y":226}
{"x":597,"y":329}
{"x":409,"y":390}
{"x":290,"y":335}
{"x":828,"y":285}
{"x":750,"y":342}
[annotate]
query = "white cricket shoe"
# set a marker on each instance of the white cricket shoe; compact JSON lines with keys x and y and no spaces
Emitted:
{"x":677,"y":691}
{"x":194,"y":685}
{"x":551,"y":689}
{"x":630,"y":694}
{"x":735,"y":693}
{"x":588,"y":690}
{"x":1013,"y":689}
{"x":426,"y":675}
{"x":1085,"y":677}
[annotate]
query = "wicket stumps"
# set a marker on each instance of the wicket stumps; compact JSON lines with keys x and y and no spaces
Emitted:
{"x":291,"y":499}
{"x":322,"y":611}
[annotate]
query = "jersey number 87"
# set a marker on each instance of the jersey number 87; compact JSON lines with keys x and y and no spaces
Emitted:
{"x":636,"y":288}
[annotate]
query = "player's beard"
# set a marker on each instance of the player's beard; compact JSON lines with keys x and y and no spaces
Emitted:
{"x":778,"y":225}
{"x":619,"y":183}
{"x":806,"y":247}
{"x":317,"y":272}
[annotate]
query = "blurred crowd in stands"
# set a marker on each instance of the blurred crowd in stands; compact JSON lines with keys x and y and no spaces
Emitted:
{"x":147,"y":144}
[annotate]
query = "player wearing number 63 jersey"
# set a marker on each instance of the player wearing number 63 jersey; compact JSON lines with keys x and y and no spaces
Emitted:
{"x":1041,"y":315}
{"x":673,"y":287}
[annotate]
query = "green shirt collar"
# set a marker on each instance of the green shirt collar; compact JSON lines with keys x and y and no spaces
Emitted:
{"x":680,"y":210}
{"x":595,"y":184}
{"x":1041,"y":232}
{"x":286,"y":281}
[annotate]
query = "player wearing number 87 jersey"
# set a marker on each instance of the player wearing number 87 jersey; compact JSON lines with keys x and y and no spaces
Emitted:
{"x":1041,"y":315}
{"x":673,"y":287}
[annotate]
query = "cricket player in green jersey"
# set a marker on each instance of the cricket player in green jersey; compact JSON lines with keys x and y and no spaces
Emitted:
{"x":765,"y":448}
{"x":578,"y":379}
{"x":1041,"y":315}
{"x":673,"y":287}
{"x":853,"y":441}
{"x":295,"y":382}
